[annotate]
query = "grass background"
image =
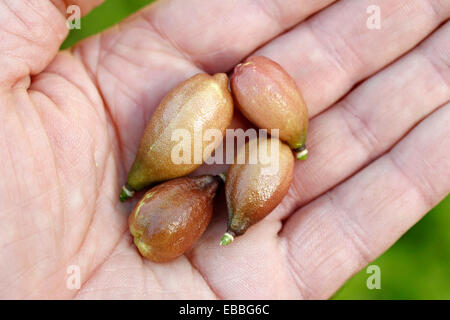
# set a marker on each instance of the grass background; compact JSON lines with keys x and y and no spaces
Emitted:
{"x":416,"y":267}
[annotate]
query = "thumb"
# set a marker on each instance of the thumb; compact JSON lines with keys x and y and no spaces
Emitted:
{"x":32,"y":32}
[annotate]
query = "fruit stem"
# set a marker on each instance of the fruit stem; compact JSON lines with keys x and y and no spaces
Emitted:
{"x":126,"y":193}
{"x":301,"y":153}
{"x":227,"y":238}
{"x":222,"y":177}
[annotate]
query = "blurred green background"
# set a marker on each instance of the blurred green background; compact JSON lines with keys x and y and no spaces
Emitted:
{"x":416,"y":267}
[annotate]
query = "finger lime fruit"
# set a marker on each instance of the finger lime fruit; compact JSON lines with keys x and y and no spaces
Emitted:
{"x":254,"y":190}
{"x":200,"y":103}
{"x":268,"y":96}
{"x":172,"y":216}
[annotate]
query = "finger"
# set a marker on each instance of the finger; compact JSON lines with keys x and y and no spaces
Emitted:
{"x":334,"y":50}
{"x":31,"y":34}
{"x":371,"y":119}
{"x":339,"y":233}
{"x":217,"y":34}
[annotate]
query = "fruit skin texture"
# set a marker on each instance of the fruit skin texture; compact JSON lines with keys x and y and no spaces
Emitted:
{"x":270,"y":98}
{"x":202,"y":102}
{"x":172,"y":216}
{"x":252,"y":191}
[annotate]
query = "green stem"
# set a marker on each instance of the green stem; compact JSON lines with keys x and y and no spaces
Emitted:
{"x":227,"y":238}
{"x":223,"y":177}
{"x":301,"y":153}
{"x":126,"y":193}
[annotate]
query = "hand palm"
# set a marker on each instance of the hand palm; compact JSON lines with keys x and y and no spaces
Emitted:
{"x":70,"y":133}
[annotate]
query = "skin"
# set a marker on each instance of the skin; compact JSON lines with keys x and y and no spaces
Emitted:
{"x":270,"y":98}
{"x":172,"y":216}
{"x":202,"y":102}
{"x":71,"y":124}
{"x":253,"y":193}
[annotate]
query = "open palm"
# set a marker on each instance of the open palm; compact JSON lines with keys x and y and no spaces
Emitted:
{"x":70,"y":124}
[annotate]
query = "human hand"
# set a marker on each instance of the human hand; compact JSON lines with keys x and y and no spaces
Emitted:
{"x":379,"y":147}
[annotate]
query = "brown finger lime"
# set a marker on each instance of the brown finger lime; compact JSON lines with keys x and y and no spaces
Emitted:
{"x":268,"y":96}
{"x":200,"y":103}
{"x":172,"y":216}
{"x":253,"y":189}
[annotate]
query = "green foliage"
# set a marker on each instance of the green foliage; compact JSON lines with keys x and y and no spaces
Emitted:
{"x":106,"y":15}
{"x":416,"y":267}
